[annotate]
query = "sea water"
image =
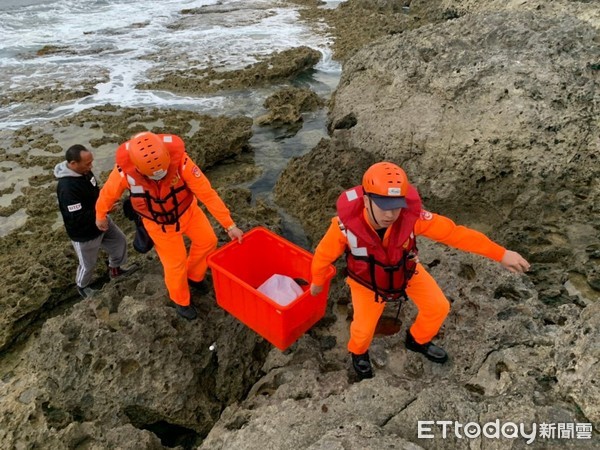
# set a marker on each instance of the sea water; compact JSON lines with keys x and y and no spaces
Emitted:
{"x":119,"y":42}
{"x":113,"y":45}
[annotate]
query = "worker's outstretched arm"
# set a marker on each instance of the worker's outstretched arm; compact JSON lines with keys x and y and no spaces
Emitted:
{"x":203,"y":190}
{"x":109,"y":194}
{"x":444,"y":230}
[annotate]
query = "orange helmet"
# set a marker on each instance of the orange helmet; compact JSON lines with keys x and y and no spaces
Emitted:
{"x":387,"y":185}
{"x":148,"y":153}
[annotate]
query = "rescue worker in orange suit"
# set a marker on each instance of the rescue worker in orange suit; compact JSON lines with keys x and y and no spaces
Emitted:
{"x":165,"y":184}
{"x":376,"y":227}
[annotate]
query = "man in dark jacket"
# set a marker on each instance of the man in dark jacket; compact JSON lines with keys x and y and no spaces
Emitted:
{"x":77,"y":192}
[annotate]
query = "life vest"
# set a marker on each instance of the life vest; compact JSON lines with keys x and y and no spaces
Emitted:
{"x":162,"y":201}
{"x":385,"y":271}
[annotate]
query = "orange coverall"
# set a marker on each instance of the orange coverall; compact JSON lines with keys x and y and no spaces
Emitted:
{"x":422,"y":288}
{"x":168,"y":242}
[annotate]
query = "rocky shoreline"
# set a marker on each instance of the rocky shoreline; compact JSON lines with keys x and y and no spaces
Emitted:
{"x":491,"y":107}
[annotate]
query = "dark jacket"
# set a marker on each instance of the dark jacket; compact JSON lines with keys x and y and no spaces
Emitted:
{"x":77,"y":195}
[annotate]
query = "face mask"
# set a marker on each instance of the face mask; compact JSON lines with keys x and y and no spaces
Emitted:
{"x":158,"y":175}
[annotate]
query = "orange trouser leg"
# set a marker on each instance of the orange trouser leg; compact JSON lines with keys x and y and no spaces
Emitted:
{"x":433,"y":306}
{"x":204,"y":241}
{"x":366,"y":315}
{"x":171,"y":250}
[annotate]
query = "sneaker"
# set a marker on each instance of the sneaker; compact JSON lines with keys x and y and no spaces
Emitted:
{"x":187,"y":312}
{"x":431,"y":351}
{"x":118,"y":272}
{"x":199,"y":286}
{"x":362,"y":365}
{"x":86,"y":292}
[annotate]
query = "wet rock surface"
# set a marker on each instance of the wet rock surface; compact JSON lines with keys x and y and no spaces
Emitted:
{"x":58,"y":91}
{"x":507,"y":142}
{"x":286,"y":107}
{"x":309,"y":181}
{"x":38,"y":259}
{"x":134,"y":380}
{"x":491,"y":109}
{"x":49,"y":96}
{"x":62,"y":377}
{"x":496,"y":124}
{"x":280,"y":66}
{"x":357,"y":23}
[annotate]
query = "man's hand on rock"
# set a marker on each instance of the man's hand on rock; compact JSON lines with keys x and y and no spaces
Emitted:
{"x":515,"y":262}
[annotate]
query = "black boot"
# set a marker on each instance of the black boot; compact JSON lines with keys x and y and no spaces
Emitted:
{"x":362,"y":365}
{"x":431,"y":351}
{"x":201,"y":287}
{"x":187,"y":312}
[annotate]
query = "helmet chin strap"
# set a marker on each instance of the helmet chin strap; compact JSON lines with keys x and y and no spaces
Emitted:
{"x":371,"y":211}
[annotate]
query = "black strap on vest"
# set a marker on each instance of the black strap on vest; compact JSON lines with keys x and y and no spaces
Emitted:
{"x":164,"y":216}
{"x":407,"y":265}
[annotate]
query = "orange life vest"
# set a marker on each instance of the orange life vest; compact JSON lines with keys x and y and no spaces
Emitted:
{"x":161,"y":201}
{"x":385,"y":271}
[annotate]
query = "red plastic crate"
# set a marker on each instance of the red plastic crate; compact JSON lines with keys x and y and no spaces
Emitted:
{"x":239,"y":269}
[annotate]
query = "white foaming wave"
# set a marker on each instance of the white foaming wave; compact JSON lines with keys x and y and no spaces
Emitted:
{"x":120,"y":90}
{"x":226,"y":46}
{"x":295,"y":33}
{"x":332,"y":4}
{"x":143,"y":99}
{"x":235,"y":47}
{"x":67,"y":22}
{"x":327,"y":63}
{"x":121,"y":84}
{"x":15,"y":118}
{"x":122,"y":48}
